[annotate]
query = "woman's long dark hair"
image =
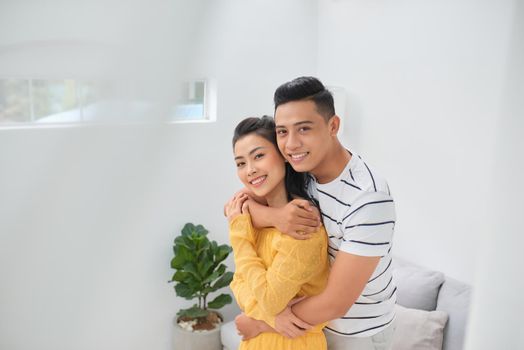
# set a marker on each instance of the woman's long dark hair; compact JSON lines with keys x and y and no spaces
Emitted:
{"x":296,"y":183}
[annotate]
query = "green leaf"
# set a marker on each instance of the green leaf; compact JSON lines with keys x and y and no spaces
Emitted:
{"x":220,"y":301}
{"x":216,"y":274}
{"x":223,"y":281}
{"x":221,"y":269}
{"x":179,"y":276}
{"x":207,"y":290}
{"x":177,"y":262}
{"x":185,"y":291}
{"x":185,"y":242}
{"x":193,"y":282}
{"x":188,"y":229}
{"x":182,"y":256}
{"x":190,"y":267}
{"x":203,"y":267}
{"x":221,"y":253}
{"x":192,"y":230}
{"x":193,"y":312}
{"x":201,"y":230}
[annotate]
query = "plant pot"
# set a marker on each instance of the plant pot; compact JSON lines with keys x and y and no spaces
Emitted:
{"x":201,"y":340}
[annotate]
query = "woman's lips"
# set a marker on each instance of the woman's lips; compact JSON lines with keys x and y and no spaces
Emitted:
{"x":258,"y":180}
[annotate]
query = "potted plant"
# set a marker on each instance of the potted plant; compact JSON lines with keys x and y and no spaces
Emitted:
{"x":199,"y":272}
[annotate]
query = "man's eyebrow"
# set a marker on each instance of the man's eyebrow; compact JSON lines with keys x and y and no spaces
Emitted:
{"x":296,"y":124}
{"x":251,"y":152}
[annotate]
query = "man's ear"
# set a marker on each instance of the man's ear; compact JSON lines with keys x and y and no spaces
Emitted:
{"x":334,"y":125}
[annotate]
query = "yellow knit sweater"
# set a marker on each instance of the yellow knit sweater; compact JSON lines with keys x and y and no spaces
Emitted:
{"x":271,"y":269}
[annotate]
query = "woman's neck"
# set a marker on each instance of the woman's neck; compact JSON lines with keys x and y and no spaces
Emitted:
{"x":278,"y":197}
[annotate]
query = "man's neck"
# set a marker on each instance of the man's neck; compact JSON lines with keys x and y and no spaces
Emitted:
{"x":333,"y":164}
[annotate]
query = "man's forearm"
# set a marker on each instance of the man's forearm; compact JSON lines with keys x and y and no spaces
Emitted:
{"x":348,"y":277}
{"x":319,"y":309}
{"x":261,"y":214}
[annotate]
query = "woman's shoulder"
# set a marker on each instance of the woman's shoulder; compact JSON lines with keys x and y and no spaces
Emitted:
{"x":241,"y":217}
{"x":240,"y":222}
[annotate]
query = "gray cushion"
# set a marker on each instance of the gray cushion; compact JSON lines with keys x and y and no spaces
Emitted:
{"x":229,"y":336}
{"x":454,"y":298}
{"x":418,"y":329}
{"x":417,"y":287}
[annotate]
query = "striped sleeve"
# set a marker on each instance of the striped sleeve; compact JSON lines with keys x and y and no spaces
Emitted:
{"x":368,"y":225}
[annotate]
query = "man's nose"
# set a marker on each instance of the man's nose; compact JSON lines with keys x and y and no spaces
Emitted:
{"x":293,"y":142}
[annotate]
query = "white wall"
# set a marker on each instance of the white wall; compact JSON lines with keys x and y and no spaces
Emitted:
{"x":88,"y":214}
{"x":424,"y":82}
{"x":497,"y":301}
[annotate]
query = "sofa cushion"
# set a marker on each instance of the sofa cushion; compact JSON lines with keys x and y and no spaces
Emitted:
{"x":417,"y":287}
{"x":454,"y":298}
{"x":418,"y":329}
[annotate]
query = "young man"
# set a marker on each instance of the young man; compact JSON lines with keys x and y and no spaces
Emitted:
{"x":358,"y":213}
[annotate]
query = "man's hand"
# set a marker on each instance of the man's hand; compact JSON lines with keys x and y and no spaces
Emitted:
{"x":298,"y":219}
{"x":247,"y":327}
{"x":289,"y":325}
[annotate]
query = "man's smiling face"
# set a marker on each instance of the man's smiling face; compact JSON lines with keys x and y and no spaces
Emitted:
{"x":303,"y":135}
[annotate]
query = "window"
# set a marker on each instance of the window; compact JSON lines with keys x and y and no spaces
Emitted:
{"x":58,"y":101}
{"x":192,"y":103}
{"x":15,"y":102}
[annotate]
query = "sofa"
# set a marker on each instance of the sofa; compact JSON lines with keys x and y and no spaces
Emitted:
{"x":432,"y":310}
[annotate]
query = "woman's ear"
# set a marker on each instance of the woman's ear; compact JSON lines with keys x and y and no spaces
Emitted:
{"x":334,"y":125}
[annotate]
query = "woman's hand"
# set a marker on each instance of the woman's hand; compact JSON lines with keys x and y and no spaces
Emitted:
{"x":249,"y":328}
{"x":236,"y":206}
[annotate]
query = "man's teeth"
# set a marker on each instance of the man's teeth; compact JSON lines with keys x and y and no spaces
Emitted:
{"x":298,"y":156}
{"x":258,"y":180}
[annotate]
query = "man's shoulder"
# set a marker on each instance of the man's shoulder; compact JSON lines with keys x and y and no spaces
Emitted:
{"x":357,"y":184}
{"x":364,"y":177}
{"x":369,"y":207}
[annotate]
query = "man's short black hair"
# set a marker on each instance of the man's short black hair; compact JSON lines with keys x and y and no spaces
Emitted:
{"x":306,"y":88}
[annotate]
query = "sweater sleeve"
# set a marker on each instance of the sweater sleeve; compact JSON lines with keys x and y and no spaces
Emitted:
{"x":247,"y":301}
{"x":295,"y":263}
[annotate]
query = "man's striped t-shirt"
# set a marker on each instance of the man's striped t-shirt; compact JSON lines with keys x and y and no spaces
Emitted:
{"x":359,"y":215}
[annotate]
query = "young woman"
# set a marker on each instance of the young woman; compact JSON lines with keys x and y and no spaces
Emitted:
{"x":272,"y":268}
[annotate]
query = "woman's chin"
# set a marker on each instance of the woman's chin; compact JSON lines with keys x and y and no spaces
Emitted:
{"x":258,"y":191}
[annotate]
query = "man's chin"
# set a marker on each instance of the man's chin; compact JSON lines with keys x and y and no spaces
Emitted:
{"x":301,"y":167}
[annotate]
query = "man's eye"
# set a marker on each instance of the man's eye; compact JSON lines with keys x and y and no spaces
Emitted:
{"x":281,"y":132}
{"x":304,"y":128}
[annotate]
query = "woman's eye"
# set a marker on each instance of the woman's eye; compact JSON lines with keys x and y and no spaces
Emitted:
{"x":281,"y":132}
{"x":240,"y":164}
{"x":259,"y":155}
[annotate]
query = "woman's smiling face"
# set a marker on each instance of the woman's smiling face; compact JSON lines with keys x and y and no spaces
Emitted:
{"x":260,"y":166}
